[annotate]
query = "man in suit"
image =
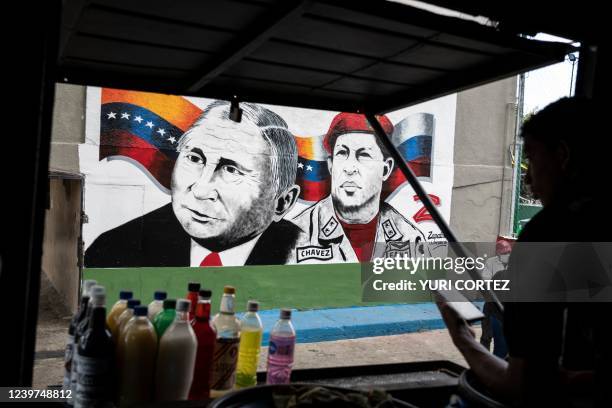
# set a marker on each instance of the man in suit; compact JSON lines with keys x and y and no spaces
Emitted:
{"x":232,"y":184}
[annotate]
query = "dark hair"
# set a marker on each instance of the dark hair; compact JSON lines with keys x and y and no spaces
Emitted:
{"x":577,"y":122}
{"x":570,"y":120}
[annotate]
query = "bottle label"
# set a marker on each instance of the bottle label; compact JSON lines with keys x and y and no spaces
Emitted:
{"x":74,"y":369}
{"x":224,"y":363}
{"x":282,"y":347}
{"x":93,"y":384}
{"x":68,"y":362}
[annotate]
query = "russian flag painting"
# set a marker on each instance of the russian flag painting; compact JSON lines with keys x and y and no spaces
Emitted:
{"x":144,"y":127}
{"x":413,"y":137}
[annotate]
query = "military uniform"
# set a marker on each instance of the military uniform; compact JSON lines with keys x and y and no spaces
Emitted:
{"x":323,"y":239}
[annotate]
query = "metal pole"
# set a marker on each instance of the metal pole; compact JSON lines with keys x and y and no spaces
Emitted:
{"x":516,"y":170}
{"x":459,"y":248}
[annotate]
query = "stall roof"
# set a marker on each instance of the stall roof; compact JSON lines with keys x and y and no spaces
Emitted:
{"x":374,"y":56}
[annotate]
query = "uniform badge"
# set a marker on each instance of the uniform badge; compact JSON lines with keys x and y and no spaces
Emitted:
{"x":314,"y":252}
{"x":389,"y":229}
{"x":330,"y":226}
{"x":394,"y":249}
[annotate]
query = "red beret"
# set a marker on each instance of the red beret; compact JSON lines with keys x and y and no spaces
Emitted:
{"x":345,"y":122}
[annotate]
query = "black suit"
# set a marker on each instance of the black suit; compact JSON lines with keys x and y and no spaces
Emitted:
{"x":158,"y":239}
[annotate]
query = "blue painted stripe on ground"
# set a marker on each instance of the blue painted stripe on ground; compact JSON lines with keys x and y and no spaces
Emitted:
{"x":356,"y":322}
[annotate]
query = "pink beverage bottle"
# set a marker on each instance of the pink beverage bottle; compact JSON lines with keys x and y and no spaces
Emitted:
{"x":280,"y":351}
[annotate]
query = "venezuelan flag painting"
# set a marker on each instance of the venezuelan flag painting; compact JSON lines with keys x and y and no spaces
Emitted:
{"x":144,"y":127}
{"x":312,"y":173}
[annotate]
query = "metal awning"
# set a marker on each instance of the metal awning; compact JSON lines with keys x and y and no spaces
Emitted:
{"x":374,"y":56}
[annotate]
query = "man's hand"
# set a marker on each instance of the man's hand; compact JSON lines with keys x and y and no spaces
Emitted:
{"x":461,"y":333}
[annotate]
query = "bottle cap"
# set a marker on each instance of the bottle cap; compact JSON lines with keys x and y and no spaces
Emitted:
{"x":252,"y":306}
{"x":285,"y":314}
{"x":193,"y":287}
{"x":205,"y":293}
{"x":229,"y":290}
{"x":87,"y":285}
{"x":170,"y":304}
{"x":182,"y":305}
{"x":140,"y":310}
{"x":132,"y":303}
{"x":160,"y":295}
{"x":98,"y":295}
{"x":126,"y":295}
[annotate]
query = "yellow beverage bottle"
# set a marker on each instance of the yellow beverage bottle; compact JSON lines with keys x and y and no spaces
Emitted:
{"x":116,"y":310}
{"x":250,"y":346}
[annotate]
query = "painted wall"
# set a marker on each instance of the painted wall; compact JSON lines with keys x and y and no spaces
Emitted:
{"x":127,"y":190}
{"x":475,"y":118}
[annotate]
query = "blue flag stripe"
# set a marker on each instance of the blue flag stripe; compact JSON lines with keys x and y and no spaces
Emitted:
{"x":149,"y":126}
{"x":416,"y":147}
{"x":312,"y":170}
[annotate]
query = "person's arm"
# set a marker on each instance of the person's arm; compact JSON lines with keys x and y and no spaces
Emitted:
{"x":502,"y":378}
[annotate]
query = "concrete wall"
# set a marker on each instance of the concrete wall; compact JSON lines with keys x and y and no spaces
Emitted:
{"x":484,"y":133}
{"x":68,"y":129}
{"x":62,"y":222}
{"x":60,"y":261}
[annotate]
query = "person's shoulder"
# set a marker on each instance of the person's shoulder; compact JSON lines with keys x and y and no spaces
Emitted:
{"x":389,"y":213}
{"x":580,"y":220}
{"x":284,"y":228}
{"x":305,"y":217}
{"x":125,"y":245}
{"x":118,"y":247}
{"x":275,"y":245}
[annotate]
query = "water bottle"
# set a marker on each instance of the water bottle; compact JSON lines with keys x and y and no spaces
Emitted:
{"x":280,"y":351}
{"x":251,"y":332}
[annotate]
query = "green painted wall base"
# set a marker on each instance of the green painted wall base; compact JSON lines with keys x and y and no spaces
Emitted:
{"x":295,"y":286}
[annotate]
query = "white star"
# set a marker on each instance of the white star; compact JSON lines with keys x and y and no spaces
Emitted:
{"x":112,"y":115}
{"x":138,"y":119}
{"x":149,"y":124}
{"x":309,"y":168}
{"x":171,"y":139}
{"x":125,"y":116}
{"x":300,"y":165}
{"x":161,"y":131}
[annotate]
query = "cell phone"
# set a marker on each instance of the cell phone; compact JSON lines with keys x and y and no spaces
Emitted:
{"x":467,"y":310}
{"x":460,"y":304}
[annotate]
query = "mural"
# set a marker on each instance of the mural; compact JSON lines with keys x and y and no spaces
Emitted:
{"x":173,"y":181}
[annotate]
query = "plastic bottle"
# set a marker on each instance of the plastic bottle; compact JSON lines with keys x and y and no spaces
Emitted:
{"x":127,"y":314}
{"x":76,"y":319}
{"x":176,"y":357}
{"x":96,"y":366}
{"x":118,"y":308}
{"x":205,"y":335}
{"x":225,"y":358}
{"x":165,"y":318}
{"x":280,"y":352}
{"x":192,"y":295}
{"x":97,"y":298}
{"x":251,"y":332}
{"x":157,"y":305}
{"x":136,"y":356}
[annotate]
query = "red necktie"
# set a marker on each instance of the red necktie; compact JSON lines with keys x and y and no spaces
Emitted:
{"x":212,"y":259}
